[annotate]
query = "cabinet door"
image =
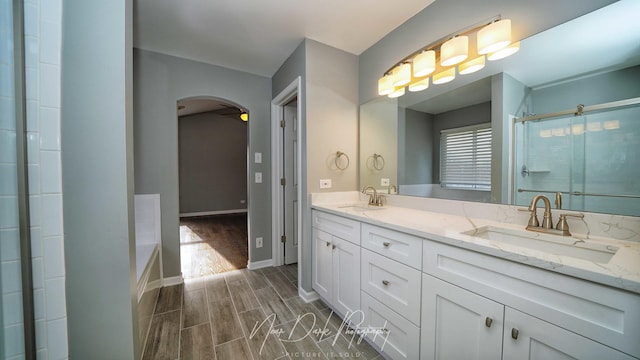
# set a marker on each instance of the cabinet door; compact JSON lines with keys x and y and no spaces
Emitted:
{"x":346,"y":278}
{"x":458,"y":324}
{"x":322,"y":269}
{"x":527,"y":337}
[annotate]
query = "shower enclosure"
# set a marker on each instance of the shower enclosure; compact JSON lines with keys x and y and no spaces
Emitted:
{"x":591,"y":155}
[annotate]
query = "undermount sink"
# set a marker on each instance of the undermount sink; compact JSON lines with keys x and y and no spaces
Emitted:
{"x":553,"y":244}
{"x":359,"y":207}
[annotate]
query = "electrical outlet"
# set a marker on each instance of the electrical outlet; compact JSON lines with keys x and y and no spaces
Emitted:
{"x":258,"y":178}
{"x":325,"y":183}
{"x":384,"y":182}
{"x":258,"y":242}
{"x":258,"y":158}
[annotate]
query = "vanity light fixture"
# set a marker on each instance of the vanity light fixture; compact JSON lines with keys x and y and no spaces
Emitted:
{"x":419,"y":85}
{"x":385,"y":85}
{"x":444,"y":76}
{"x":402,"y":74}
{"x":454,"y":51}
{"x":424,"y":63}
{"x":503,"y":53}
{"x":494,"y":37}
{"x":471,"y":66}
{"x":396,"y":93}
{"x":439,"y":59}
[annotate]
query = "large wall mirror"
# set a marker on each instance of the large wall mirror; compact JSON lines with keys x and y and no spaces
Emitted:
{"x":409,"y":145}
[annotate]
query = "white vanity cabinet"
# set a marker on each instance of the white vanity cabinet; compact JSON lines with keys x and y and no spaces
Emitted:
{"x":546,"y":315}
{"x":336,"y":262}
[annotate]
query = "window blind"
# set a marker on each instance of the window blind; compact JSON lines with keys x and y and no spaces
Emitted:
{"x":465,"y":157}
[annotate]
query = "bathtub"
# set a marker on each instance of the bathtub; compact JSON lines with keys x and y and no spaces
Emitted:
{"x":148,"y":258}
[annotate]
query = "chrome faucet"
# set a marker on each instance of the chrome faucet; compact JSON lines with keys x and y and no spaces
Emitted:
{"x":374,"y":199}
{"x":562,"y":228}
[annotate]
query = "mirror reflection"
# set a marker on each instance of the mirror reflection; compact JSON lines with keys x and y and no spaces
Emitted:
{"x":460,"y":141}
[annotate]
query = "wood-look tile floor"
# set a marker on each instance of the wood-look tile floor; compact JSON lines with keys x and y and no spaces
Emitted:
{"x":213,"y":244}
{"x":247,"y":314}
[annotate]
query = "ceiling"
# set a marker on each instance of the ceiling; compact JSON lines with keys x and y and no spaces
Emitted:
{"x":257,"y":36}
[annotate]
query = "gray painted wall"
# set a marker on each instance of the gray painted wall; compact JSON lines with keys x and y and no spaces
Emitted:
{"x":466,"y":116}
{"x":159,"y":82}
{"x":97,"y":174}
{"x":213,"y":163}
{"x":329,"y":105}
{"x":379,"y":130}
{"x":611,"y":86}
{"x":442,"y":18}
{"x":417,"y":167}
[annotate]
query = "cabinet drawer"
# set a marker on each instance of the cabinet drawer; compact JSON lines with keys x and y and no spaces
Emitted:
{"x":398,"y":246}
{"x":337,"y":226}
{"x":395,"y":336}
{"x":604,"y":314}
{"x":394,"y":284}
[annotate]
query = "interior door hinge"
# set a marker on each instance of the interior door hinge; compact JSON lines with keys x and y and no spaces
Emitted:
{"x":283,"y":238}
{"x":283,"y":181}
{"x":282,"y":123}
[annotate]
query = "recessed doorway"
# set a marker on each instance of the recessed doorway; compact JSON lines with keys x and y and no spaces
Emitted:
{"x":212,"y":158}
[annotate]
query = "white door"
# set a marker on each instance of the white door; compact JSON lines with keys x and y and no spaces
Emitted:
{"x":290,"y":183}
{"x":346,"y":278}
{"x":322,"y":269}
{"x":527,"y":337}
{"x":458,"y":324}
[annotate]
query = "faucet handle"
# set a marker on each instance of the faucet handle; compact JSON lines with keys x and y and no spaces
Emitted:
{"x":563,"y":225}
{"x":380,"y":199}
{"x":533,"y":219}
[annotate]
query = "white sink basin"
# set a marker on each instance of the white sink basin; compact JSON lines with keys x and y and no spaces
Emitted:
{"x":359,"y":207}
{"x":553,"y":244}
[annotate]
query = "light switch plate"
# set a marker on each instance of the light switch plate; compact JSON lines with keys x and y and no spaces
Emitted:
{"x":258,"y":158}
{"x":384,"y":182}
{"x":258,"y":178}
{"x":325,"y":183}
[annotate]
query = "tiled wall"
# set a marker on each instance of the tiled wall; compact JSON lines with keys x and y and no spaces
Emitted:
{"x":11,"y":343}
{"x":42,"y":46}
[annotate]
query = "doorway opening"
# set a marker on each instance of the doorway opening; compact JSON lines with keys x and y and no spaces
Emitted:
{"x":286,"y":169}
{"x":212,"y":158}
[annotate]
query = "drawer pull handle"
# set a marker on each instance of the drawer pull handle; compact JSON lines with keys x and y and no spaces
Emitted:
{"x":328,"y":243}
{"x":385,"y":282}
{"x":386,"y":244}
{"x":488,"y":321}
{"x":333,"y":246}
{"x":515,"y":333}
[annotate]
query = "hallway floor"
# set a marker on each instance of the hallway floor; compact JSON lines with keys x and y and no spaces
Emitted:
{"x":213,"y":244}
{"x":247,"y":314}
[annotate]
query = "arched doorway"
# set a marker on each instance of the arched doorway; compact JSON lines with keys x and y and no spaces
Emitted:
{"x":212,"y":162}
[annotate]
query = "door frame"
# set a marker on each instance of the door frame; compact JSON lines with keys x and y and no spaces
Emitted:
{"x":294,"y":89}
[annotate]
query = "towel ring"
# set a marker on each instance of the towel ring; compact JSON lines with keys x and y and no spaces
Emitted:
{"x":340,"y":154}
{"x":377,"y":164}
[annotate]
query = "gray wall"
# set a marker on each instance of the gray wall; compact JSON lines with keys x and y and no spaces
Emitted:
{"x":611,"y":86}
{"x":159,"y":82}
{"x":97,"y":174}
{"x":442,"y":18}
{"x":213,"y":163}
{"x":329,"y":105}
{"x":466,"y":116}
{"x":418,"y":145}
{"x":379,"y":130}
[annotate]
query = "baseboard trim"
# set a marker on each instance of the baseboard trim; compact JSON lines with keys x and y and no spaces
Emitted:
{"x":259,"y":264}
{"x":308,"y":296}
{"x":217,"y":212}
{"x":170,"y":281}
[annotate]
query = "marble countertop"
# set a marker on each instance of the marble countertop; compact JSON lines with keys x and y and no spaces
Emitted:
{"x":621,"y":271}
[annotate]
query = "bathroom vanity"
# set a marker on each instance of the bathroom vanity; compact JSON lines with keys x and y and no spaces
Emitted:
{"x":444,"y":286}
